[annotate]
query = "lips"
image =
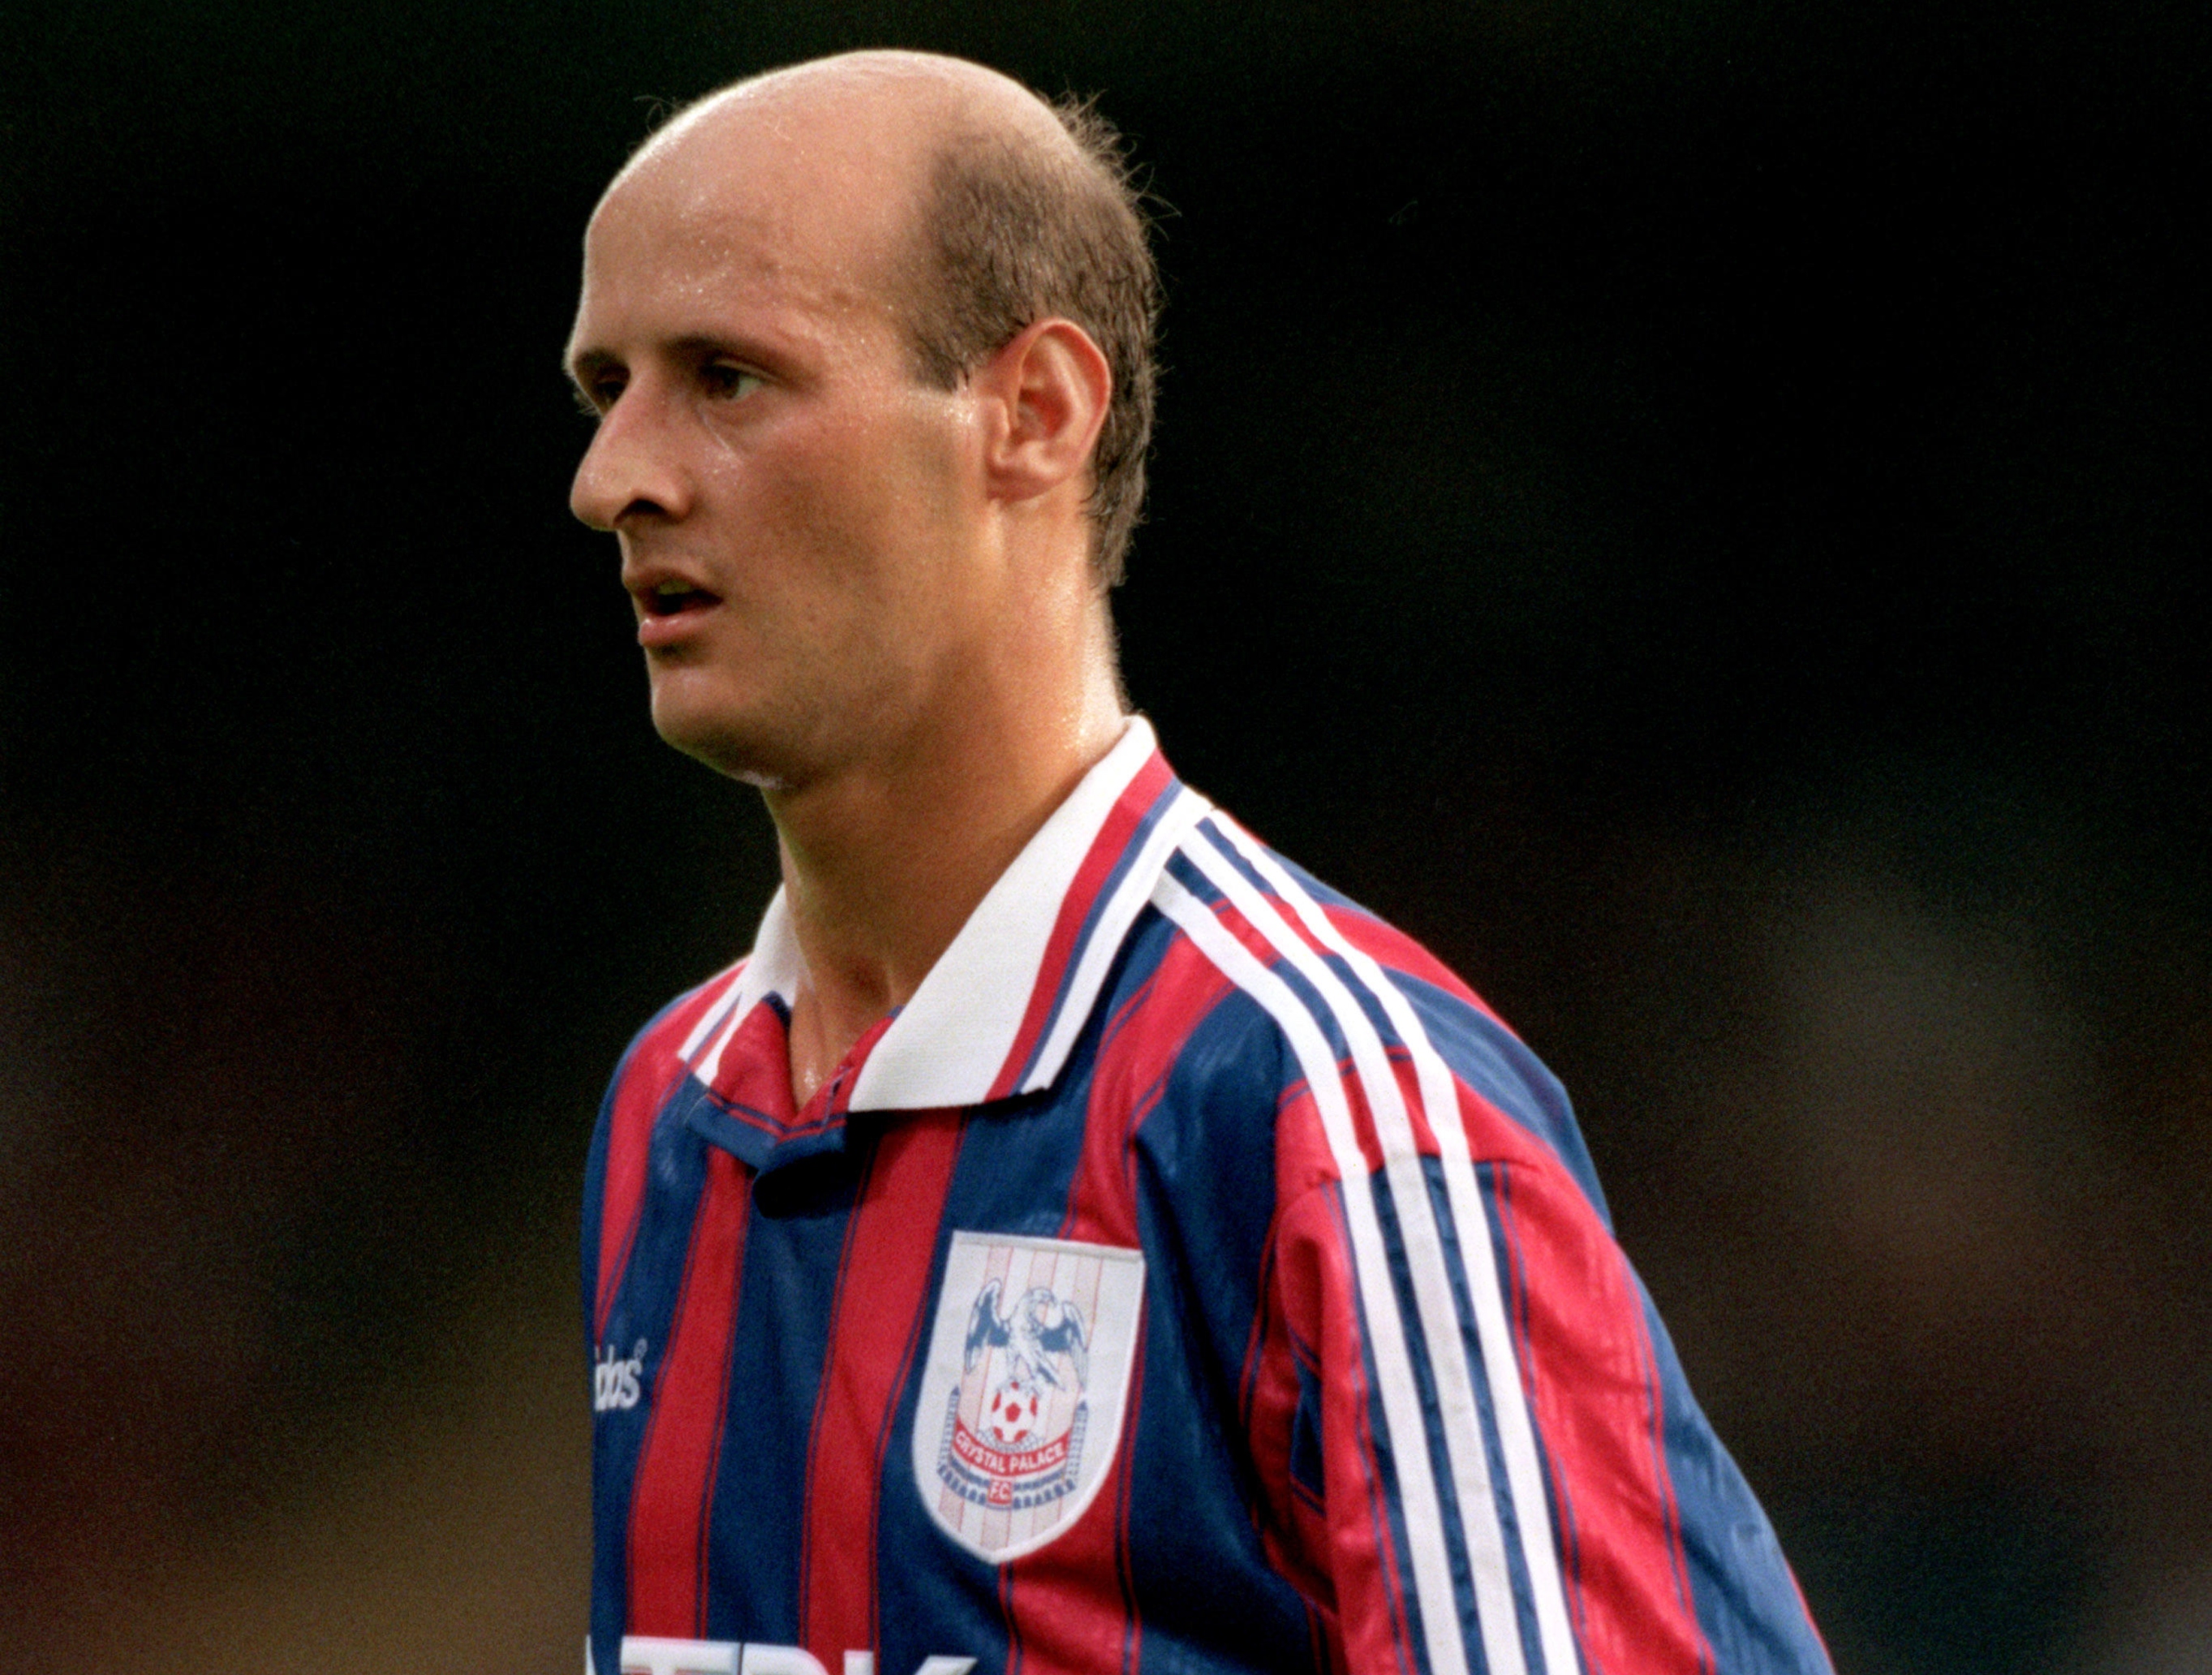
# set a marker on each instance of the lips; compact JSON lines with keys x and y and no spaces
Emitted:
{"x":672,"y":599}
{"x":669,"y":607}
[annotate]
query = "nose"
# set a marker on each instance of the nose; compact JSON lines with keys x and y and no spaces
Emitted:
{"x":631,"y":470}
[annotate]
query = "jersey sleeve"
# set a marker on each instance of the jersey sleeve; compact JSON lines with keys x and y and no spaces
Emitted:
{"x":656,"y":1059}
{"x":1482,"y":1454}
{"x":1487,"y":1458}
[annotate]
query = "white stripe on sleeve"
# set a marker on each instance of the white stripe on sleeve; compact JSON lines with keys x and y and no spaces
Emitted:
{"x":1432,"y":1584}
{"x":1481,"y":1527}
{"x":714,"y":1014}
{"x":1440,"y":1102}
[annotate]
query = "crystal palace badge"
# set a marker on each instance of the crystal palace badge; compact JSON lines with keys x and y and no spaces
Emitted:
{"x":1023,"y":1394}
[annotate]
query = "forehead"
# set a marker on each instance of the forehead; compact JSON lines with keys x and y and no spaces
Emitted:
{"x":758,"y":209}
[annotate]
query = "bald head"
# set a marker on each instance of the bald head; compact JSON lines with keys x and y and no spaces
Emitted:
{"x":899,"y":107}
{"x":948,"y":195}
{"x":861,"y":133}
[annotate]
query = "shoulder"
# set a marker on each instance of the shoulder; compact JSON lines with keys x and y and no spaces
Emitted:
{"x":1327,"y":991}
{"x":652,"y":1067}
{"x":660,"y":1051}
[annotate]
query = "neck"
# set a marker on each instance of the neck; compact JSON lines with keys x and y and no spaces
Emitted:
{"x":884,"y":861}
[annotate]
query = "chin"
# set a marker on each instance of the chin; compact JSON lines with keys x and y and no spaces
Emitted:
{"x":776,"y":734}
{"x":728,"y":742}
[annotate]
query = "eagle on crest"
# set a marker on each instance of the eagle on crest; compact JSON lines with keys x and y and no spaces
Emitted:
{"x":1040,"y":1327}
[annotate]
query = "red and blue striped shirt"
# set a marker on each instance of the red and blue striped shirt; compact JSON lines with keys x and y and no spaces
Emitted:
{"x":1192,"y":1275}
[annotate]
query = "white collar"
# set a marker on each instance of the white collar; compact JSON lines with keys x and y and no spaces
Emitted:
{"x":1000,"y":1009}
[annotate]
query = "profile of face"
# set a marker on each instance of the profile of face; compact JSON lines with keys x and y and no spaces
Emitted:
{"x":797,"y":512}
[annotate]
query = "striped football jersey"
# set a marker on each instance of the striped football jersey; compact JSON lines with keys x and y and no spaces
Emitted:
{"x":1192,"y":1275}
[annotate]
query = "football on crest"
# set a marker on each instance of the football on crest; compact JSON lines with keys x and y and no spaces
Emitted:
{"x":1010,"y":1418}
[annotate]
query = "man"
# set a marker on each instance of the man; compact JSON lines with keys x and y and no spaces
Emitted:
{"x":1074,"y":1239}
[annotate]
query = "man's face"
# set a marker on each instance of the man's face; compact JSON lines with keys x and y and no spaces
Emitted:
{"x":797,"y":513}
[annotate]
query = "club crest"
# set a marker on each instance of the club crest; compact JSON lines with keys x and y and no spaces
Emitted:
{"x":1023,"y":1394}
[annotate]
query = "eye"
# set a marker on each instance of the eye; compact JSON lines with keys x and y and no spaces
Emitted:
{"x":725,"y":381}
{"x":597,"y":393}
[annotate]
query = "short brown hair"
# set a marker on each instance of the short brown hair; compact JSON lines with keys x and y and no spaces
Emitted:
{"x":1015,"y":231}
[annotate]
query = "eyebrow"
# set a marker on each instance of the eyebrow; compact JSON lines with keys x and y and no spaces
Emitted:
{"x":585,"y":363}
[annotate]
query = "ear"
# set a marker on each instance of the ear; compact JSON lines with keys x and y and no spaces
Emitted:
{"x":1046,"y":391}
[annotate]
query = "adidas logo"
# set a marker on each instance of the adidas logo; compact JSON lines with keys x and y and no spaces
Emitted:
{"x":614,"y":1381}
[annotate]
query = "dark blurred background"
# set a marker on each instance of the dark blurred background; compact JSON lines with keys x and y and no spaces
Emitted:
{"x":1697,"y":510}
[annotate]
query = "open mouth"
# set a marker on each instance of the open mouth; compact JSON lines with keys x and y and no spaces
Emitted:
{"x":672,"y":599}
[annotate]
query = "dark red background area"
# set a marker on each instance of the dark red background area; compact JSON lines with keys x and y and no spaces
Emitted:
{"x":1697,"y":512}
